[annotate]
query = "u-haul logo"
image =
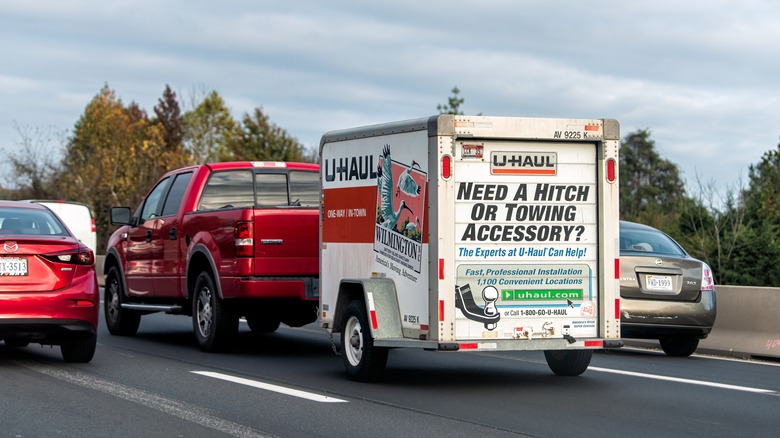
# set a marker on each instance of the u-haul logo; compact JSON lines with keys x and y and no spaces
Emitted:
{"x":525,"y":163}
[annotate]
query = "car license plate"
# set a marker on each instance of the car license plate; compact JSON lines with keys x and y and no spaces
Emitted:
{"x":13,"y":266}
{"x":659,"y":282}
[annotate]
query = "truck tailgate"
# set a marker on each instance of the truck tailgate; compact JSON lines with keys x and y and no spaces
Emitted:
{"x":286,"y":242}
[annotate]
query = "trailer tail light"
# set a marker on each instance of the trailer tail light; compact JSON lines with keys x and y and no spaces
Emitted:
{"x":446,"y":167}
{"x":93,"y":225}
{"x":611,"y":170}
{"x":244,"y":239}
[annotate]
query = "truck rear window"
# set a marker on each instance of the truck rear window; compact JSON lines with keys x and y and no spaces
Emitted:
{"x":235,"y":189}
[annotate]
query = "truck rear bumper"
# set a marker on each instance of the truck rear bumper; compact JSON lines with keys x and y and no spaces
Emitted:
{"x":301,"y":288}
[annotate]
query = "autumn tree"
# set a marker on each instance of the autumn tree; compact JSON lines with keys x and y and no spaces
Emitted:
{"x":110,"y":158}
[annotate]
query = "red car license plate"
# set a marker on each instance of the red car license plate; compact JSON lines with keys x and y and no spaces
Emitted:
{"x":13,"y":266}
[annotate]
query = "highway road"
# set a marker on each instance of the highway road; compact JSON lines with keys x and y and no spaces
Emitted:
{"x":291,"y":384}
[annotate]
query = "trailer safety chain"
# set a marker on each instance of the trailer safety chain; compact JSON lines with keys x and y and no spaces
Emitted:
{"x":333,"y":345}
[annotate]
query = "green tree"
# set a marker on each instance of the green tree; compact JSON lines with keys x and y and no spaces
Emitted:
{"x":755,"y":256}
{"x":651,"y":190}
{"x":453,"y":104}
{"x":208,"y":129}
{"x":258,"y":139}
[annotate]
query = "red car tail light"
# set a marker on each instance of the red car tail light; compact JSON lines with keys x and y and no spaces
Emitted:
{"x":245,"y":239}
{"x":81,"y":257}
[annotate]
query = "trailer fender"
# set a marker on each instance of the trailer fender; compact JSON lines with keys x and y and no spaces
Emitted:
{"x":381,"y":301}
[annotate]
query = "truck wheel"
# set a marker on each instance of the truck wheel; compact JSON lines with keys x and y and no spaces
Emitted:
{"x":214,"y":325}
{"x":568,"y":362}
{"x":79,"y":351}
{"x":363,"y":361}
{"x":680,"y":346}
{"x":121,"y":322}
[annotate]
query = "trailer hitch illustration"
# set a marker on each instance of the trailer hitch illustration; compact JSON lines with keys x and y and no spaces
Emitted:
{"x":488,"y":315}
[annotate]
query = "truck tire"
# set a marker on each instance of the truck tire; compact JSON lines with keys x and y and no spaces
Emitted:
{"x":680,"y":346}
{"x":215,"y":326}
{"x":568,"y":362}
{"x":79,"y":351}
{"x":120,"y":322}
{"x":363,"y":361}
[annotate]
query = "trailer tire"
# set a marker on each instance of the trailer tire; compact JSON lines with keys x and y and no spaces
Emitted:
{"x":568,"y":362}
{"x":214,"y":324}
{"x":363,"y":361}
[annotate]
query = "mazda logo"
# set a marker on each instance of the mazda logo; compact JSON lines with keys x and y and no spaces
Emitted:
{"x":11,"y":247}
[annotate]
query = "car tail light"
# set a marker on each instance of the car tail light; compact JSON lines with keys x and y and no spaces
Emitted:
{"x":244,"y":239}
{"x":81,"y":257}
{"x":707,"y":280}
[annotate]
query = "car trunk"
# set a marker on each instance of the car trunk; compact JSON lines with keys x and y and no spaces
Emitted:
{"x":660,"y":278}
{"x":23,"y":268}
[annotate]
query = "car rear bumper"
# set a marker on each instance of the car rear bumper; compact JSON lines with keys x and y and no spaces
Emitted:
{"x":46,"y":331}
{"x":651,"y":319}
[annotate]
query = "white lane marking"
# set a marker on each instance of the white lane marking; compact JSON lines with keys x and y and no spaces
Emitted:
{"x":185,"y":411}
{"x":688,"y":381}
{"x":270,"y":387}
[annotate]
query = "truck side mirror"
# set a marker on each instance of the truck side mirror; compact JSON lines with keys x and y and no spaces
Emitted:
{"x":121,"y":216}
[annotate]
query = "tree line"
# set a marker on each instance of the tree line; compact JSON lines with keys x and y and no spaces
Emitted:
{"x":115,"y":152}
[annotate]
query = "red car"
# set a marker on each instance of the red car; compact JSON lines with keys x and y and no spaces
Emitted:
{"x":48,"y":287}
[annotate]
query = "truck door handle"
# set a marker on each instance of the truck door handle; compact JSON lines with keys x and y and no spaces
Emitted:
{"x":172,"y":234}
{"x":148,"y":236}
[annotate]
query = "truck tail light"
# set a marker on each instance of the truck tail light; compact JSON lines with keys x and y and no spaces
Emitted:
{"x":245,"y":239}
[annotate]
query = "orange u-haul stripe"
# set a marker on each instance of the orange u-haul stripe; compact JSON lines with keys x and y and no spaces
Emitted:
{"x":349,"y":215}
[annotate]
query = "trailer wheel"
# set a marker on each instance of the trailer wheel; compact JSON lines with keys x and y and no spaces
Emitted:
{"x":363,"y":361}
{"x":568,"y":362}
{"x":215,"y":326}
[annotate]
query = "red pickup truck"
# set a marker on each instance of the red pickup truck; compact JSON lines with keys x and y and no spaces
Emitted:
{"x":218,"y":242}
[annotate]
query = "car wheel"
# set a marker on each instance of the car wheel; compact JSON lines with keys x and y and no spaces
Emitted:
{"x":214,"y":325}
{"x":16,"y":342}
{"x":121,"y":322}
{"x":262,"y":322}
{"x":679,"y":346}
{"x":568,"y":362}
{"x":363,"y":361}
{"x":79,"y":351}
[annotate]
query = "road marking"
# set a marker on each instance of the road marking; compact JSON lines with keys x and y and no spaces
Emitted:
{"x":270,"y":387}
{"x":185,"y":411}
{"x":688,"y":381}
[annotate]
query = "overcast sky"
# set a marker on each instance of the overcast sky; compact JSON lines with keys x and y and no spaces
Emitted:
{"x":702,"y":75}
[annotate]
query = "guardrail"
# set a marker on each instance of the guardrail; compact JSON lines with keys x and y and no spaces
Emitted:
{"x":748,"y":322}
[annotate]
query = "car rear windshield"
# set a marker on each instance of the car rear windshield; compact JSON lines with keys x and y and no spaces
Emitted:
{"x":245,"y":188}
{"x":30,"y":222}
{"x":641,"y":241}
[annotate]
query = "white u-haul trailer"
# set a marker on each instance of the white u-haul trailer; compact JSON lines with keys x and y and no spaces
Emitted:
{"x":471,"y":233}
